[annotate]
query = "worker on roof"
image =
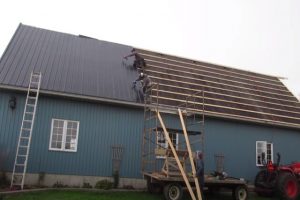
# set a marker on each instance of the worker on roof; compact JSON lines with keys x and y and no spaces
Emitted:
{"x":145,"y":80}
{"x":139,"y":62}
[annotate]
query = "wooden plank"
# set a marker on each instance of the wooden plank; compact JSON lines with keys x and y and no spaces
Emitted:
{"x":232,"y":108}
{"x":208,"y":81}
{"x":213,"y":74}
{"x":190,"y":154}
{"x":160,"y":79}
{"x":171,"y":109}
{"x":176,"y":157}
{"x":252,"y":119}
{"x":216,"y":68}
{"x":239,"y":98}
{"x":243,"y":118}
{"x":235,"y":103}
{"x":175,"y":71}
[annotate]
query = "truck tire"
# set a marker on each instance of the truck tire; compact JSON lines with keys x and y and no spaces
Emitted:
{"x":173,"y":191}
{"x":240,"y":193}
{"x":287,"y":187}
{"x":153,"y":188}
{"x":213,"y":190}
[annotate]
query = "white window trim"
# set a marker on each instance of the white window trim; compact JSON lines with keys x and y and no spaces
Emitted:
{"x":167,"y":144}
{"x":265,"y":143}
{"x":64,"y":136}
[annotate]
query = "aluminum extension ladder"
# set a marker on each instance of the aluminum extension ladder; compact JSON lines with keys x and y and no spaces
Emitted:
{"x":20,"y":165}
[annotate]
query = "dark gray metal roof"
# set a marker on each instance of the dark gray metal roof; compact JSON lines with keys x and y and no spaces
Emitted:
{"x":68,"y":63}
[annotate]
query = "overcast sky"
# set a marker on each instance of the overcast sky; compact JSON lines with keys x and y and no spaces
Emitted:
{"x":255,"y":35}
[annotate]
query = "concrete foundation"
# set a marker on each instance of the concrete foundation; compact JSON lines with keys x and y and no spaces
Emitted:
{"x":77,"y":181}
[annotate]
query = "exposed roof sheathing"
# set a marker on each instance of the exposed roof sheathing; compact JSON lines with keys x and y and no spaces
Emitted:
{"x":228,"y":92}
{"x":89,"y":68}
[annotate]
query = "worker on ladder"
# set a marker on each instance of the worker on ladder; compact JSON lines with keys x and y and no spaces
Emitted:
{"x":146,"y":82}
{"x":139,"y":62}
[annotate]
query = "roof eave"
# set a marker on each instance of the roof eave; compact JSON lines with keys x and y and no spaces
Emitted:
{"x":170,"y":109}
{"x":75,"y":96}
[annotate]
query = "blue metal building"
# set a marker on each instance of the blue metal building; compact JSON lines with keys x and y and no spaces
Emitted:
{"x":85,"y":83}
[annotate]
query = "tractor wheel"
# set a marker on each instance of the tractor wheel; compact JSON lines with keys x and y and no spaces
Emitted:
{"x":288,"y":186}
{"x":262,"y":187}
{"x":260,"y":178}
{"x":240,"y":193}
{"x":173,"y":191}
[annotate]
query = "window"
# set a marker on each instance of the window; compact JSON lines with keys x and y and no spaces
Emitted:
{"x":162,"y":142}
{"x":64,"y":135}
{"x":263,"y":147}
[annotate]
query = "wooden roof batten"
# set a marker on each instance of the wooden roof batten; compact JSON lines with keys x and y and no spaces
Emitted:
{"x":207,"y":86}
{"x":194,"y":63}
{"x":263,"y":98}
{"x":251,"y":111}
{"x":206,"y":71}
{"x":173,"y":110}
{"x":196,"y":96}
{"x":233,"y":96}
{"x":238,"y":87}
{"x":223,"y":79}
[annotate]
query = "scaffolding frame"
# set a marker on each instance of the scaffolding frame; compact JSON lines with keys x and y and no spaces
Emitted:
{"x":193,"y":114}
{"x":170,"y":160}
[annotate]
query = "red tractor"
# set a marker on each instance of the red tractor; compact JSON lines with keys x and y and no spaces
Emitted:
{"x":283,"y":181}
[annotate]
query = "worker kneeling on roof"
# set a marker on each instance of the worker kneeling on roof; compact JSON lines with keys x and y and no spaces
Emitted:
{"x":139,"y":62}
{"x":145,"y":80}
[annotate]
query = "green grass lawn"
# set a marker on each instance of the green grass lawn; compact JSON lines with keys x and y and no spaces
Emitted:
{"x":105,"y":195}
{"x":79,"y":195}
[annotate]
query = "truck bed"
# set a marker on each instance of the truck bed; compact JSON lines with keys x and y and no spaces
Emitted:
{"x":208,"y":179}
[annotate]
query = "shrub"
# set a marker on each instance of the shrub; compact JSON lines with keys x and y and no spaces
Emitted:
{"x":3,"y":180}
{"x":104,"y":184}
{"x":128,"y":187}
{"x":86,"y":185}
{"x":41,"y":178}
{"x":116,"y":177}
{"x":59,"y":184}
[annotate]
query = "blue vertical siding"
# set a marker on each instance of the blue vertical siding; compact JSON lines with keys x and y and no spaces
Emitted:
{"x":9,"y":127}
{"x":237,"y":141}
{"x":102,"y":126}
